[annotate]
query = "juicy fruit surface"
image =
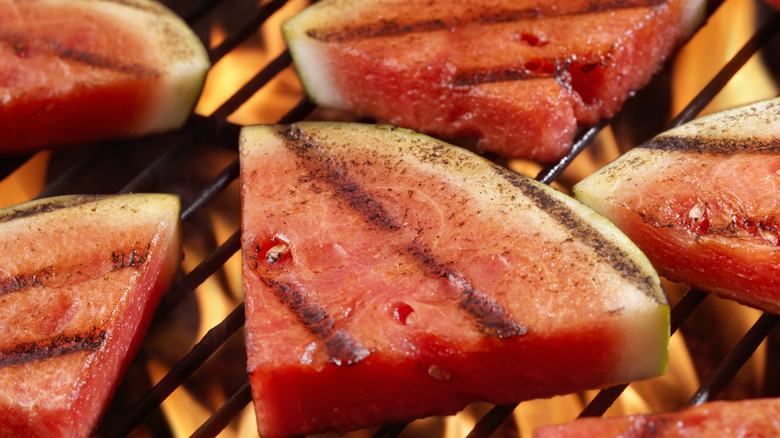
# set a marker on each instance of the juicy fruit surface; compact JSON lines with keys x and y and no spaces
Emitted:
{"x":80,"y":277}
{"x":385,"y":272}
{"x":78,"y":71}
{"x":747,"y":418}
{"x":701,"y":201}
{"x":519,"y":76}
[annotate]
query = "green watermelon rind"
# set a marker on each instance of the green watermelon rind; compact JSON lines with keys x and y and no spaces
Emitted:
{"x":307,"y":58}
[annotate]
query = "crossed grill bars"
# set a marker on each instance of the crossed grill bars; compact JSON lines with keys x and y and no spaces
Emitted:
{"x":219,"y":131}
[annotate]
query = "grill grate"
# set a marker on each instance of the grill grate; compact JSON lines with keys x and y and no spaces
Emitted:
{"x":165,"y":162}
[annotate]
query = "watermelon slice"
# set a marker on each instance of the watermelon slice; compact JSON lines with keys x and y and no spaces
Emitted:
{"x":74,"y":71}
{"x":521,"y":76}
{"x":391,"y":276}
{"x":701,"y":201}
{"x":759,"y":418}
{"x":80,"y":277}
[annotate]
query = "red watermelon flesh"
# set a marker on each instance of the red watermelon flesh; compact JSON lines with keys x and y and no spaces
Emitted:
{"x":80,"y":277}
{"x":702,"y":202}
{"x":79,"y":71}
{"x":390,"y":276}
{"x":521,"y":76}
{"x":759,"y":418}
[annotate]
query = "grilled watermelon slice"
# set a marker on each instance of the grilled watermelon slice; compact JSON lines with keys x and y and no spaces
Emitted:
{"x":701,"y":201}
{"x":723,"y":419}
{"x":80,"y":277}
{"x":521,"y":76}
{"x":391,"y":276}
{"x":74,"y":71}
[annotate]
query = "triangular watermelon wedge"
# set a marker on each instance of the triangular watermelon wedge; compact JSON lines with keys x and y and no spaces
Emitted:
{"x":80,"y":277}
{"x":703,"y":202}
{"x":75,"y":71}
{"x":391,"y":276}
{"x":521,"y":76}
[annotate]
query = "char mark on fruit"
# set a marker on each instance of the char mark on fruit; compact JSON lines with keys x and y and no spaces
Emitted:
{"x":325,"y":168}
{"x":535,"y":69}
{"x":21,"y":42}
{"x":479,"y":16}
{"x":606,"y":250}
{"x":342,"y":349}
{"x":25,"y":280}
{"x":492,"y":318}
{"x":45,"y":207}
{"x":129,"y":258}
{"x":489,"y":314}
{"x":120,"y":259}
{"x":714,"y":146}
{"x":59,"y":345}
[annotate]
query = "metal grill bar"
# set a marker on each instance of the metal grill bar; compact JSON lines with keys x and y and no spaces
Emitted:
{"x":217,"y":422}
{"x":736,"y":359}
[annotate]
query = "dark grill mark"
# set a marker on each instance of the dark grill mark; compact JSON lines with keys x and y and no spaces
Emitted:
{"x":100,"y":61}
{"x":603,"y":247}
{"x":121,"y":259}
{"x":490,"y":315}
{"x":492,"y":318}
{"x":23,"y":43}
{"x":343,"y":350}
{"x":127,"y":259}
{"x":22,"y":281}
{"x":714,"y":146}
{"x":45,"y":207}
{"x":27,"y":352}
{"x":325,"y":168}
{"x":540,"y":68}
{"x":389,"y":27}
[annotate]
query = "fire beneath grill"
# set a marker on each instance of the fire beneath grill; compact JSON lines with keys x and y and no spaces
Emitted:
{"x":190,"y":377}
